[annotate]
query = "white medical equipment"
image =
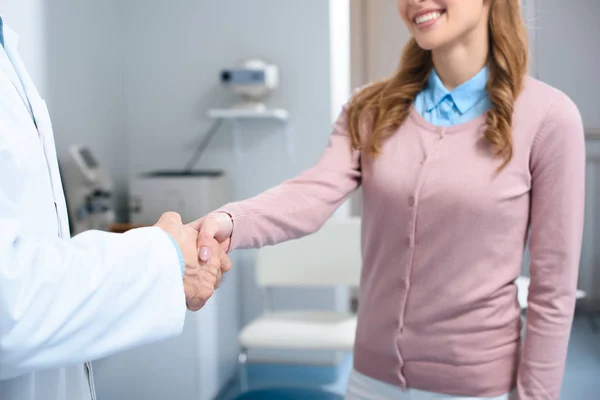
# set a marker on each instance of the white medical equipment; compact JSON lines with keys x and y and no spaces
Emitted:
{"x":192,"y":194}
{"x":88,"y":190}
{"x":253,"y":80}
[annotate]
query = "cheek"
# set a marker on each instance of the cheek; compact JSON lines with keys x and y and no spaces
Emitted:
{"x":403,"y":10}
{"x":464,"y":14}
{"x":464,"y":23}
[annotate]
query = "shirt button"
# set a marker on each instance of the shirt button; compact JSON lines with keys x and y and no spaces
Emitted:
{"x":411,"y":201}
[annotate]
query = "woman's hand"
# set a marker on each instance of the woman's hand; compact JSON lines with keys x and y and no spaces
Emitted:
{"x":215,"y":226}
{"x":201,"y":277}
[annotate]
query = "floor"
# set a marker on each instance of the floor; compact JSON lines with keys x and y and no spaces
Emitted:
{"x":582,"y":374}
{"x":581,"y":381}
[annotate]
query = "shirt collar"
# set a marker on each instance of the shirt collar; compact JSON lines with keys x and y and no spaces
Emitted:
{"x":465,"y":96}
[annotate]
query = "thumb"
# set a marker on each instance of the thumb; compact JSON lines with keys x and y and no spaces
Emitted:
{"x":206,"y":234}
{"x":170,"y":222}
{"x":205,"y":242}
{"x":170,"y":218}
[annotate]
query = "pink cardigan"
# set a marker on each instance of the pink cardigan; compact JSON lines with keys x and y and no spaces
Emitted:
{"x":443,"y":239}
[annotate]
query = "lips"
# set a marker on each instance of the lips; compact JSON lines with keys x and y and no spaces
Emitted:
{"x":427,"y":17}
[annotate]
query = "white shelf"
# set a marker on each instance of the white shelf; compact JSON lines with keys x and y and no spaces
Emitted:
{"x":237,"y":115}
{"x":232,"y":113}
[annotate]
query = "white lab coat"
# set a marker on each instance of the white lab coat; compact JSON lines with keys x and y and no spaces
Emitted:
{"x":66,"y":301}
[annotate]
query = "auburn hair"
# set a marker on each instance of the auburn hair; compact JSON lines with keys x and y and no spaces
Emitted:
{"x":385,"y":105}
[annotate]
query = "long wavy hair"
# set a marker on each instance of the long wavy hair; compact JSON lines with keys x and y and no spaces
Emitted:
{"x":383,"y":106}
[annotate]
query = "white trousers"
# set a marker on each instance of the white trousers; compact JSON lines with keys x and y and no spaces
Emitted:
{"x":361,"y":387}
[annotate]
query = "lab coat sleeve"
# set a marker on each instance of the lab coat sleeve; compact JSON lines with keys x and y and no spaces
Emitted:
{"x":64,"y":302}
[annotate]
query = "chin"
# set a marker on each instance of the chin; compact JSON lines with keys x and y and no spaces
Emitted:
{"x":428,"y":43}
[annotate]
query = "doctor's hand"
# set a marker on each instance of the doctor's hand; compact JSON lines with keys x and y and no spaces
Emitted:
{"x":215,"y":226}
{"x":200,"y":278}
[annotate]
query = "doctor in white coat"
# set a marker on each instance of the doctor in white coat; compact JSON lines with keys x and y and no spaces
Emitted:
{"x":66,"y":301}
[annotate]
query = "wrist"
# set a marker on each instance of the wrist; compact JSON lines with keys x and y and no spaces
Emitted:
{"x":226,"y":220}
{"x":179,"y":253}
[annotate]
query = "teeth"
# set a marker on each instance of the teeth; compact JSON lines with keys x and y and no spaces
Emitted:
{"x":427,"y":17}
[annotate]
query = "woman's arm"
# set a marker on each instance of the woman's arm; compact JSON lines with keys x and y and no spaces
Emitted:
{"x":557,"y":209}
{"x":300,"y":205}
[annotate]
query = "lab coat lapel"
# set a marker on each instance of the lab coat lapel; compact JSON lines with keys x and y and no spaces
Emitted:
{"x":19,"y":78}
{"x":42,"y":120}
{"x":8,"y":70}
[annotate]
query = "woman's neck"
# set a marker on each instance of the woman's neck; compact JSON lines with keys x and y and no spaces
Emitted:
{"x":457,"y":63}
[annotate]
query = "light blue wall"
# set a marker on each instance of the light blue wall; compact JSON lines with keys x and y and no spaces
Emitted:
{"x":567,"y":51}
{"x":566,"y":56}
{"x":83,"y":43}
{"x":28,"y":19}
{"x":174,"y":53}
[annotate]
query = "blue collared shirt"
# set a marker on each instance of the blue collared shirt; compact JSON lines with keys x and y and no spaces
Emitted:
{"x":442,"y":107}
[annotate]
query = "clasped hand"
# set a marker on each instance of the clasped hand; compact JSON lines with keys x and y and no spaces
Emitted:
{"x":206,"y":260}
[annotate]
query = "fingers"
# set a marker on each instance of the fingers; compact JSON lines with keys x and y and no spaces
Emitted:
{"x":218,"y":224}
{"x":225,"y":262}
{"x":219,"y":278}
{"x":202,"y":281}
{"x":225,"y":266}
{"x":196,"y":224}
{"x":200,"y":286}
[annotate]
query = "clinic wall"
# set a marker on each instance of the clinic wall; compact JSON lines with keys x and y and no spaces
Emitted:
{"x":85,"y":69}
{"x":172,"y":79}
{"x":568,"y":58}
{"x":567,"y":52}
{"x":28,"y":19}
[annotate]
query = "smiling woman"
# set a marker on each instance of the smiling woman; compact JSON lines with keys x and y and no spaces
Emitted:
{"x":454,"y":20}
{"x":459,"y":155}
{"x":459,"y":38}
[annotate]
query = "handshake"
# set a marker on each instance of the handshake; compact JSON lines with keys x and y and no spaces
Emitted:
{"x":204,"y":244}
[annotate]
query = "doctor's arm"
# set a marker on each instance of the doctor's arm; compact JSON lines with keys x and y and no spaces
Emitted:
{"x":64,"y":302}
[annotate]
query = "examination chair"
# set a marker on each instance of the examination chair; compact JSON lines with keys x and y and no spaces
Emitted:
{"x":329,"y":257}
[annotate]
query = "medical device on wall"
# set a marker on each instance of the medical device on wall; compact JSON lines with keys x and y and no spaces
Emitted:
{"x":253,"y":81}
{"x":88,"y":190}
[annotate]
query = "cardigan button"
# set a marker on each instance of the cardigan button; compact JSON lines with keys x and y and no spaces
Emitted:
{"x":411,"y":201}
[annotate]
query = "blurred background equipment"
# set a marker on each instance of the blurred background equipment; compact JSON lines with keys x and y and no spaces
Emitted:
{"x":88,"y":190}
{"x":191,"y":194}
{"x":253,"y":80}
